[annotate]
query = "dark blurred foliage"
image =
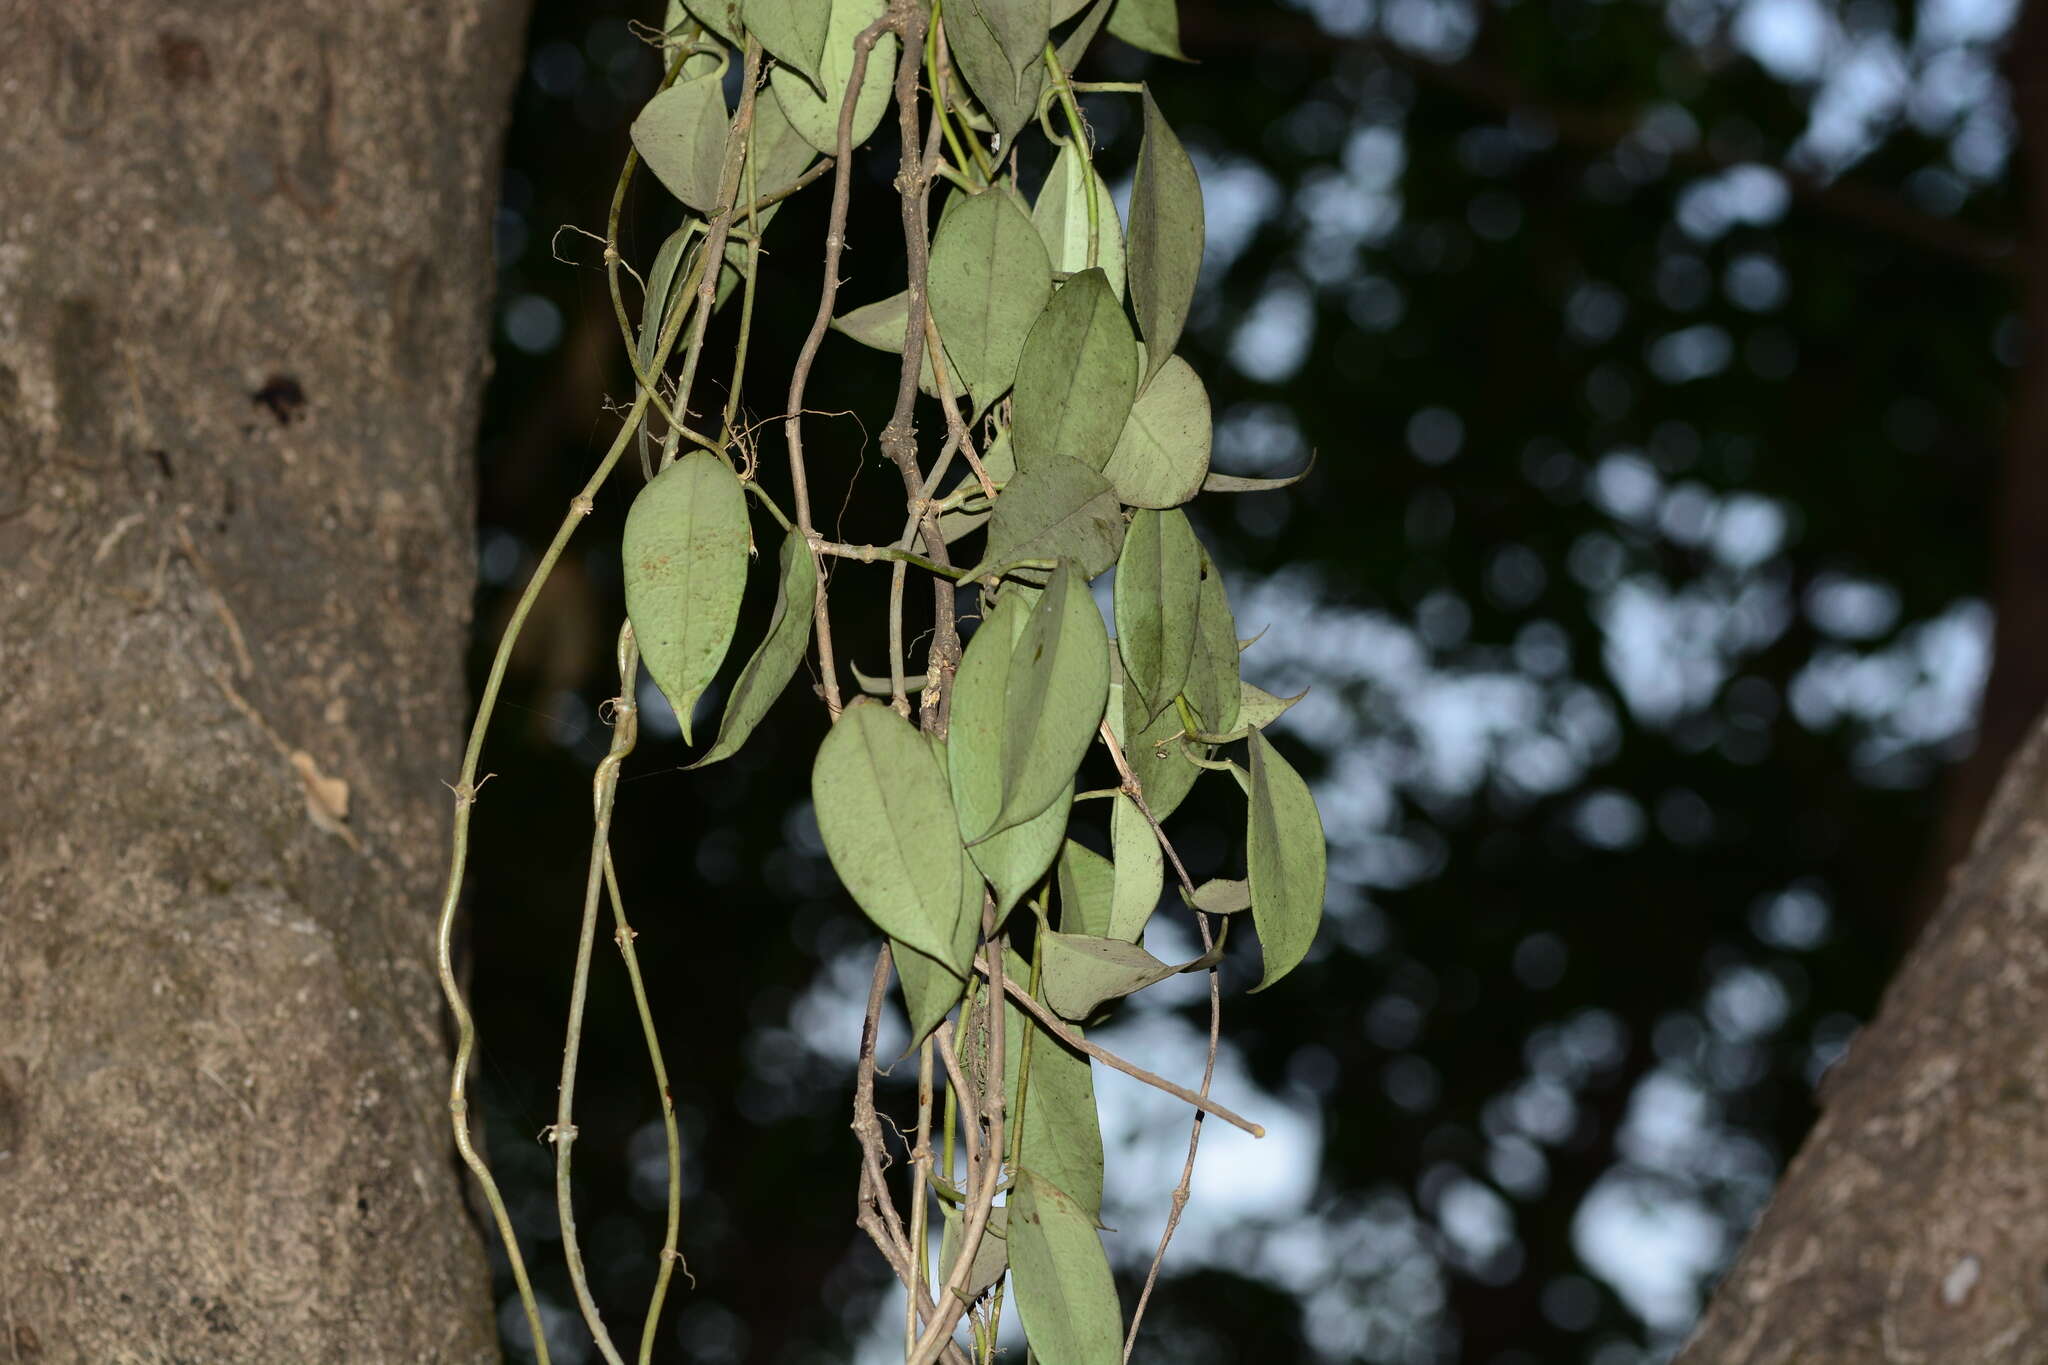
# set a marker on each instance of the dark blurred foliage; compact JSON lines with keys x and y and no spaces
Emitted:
{"x":1655,"y":360}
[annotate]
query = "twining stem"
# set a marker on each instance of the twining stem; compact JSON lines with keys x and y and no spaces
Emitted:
{"x":604,"y":790}
{"x":920,"y":1201}
{"x":1065,"y":88}
{"x":1053,"y":1025}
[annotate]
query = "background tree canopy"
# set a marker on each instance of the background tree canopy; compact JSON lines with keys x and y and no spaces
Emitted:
{"x":1656,"y":361}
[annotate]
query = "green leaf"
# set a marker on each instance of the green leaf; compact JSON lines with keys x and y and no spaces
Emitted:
{"x":685,"y":563}
{"x":991,"y":46}
{"x":1287,"y":859}
{"x":991,"y":1258}
{"x":1235,"y":483}
{"x":887,"y":820}
{"x":1016,"y":858}
{"x":882,"y":325}
{"x":1058,"y":508}
{"x":1075,"y":45}
{"x":722,"y":17}
{"x":1140,"y":870}
{"x":816,"y":116}
{"x":1065,"y":1294}
{"x":793,"y":31}
{"x":930,"y":989}
{"x":665,"y":280}
{"x":1153,"y":25}
{"x":1087,"y":890}
{"x":1258,"y":708}
{"x":1158,"y":586}
{"x":1076,"y":377}
{"x":1162,"y":455}
{"x":781,"y":155}
{"x":1082,"y":974}
{"x":780,"y":651}
{"x":989,"y":281}
{"x":1062,"y":1138}
{"x":1154,"y":753}
{"x":1061,"y":217}
{"x":1223,"y":896}
{"x":1214,"y":689}
{"x":681,"y":137}
{"x":1166,"y":235}
{"x":1023,"y":715}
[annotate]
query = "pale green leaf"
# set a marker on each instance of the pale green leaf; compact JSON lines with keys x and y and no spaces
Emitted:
{"x":1081,"y":974}
{"x":1223,"y":896}
{"x":1061,"y":217}
{"x":991,"y":1258}
{"x":989,"y":281}
{"x":1158,"y":586}
{"x":1214,"y":688}
{"x":685,"y":563}
{"x":1287,"y":859}
{"x":1053,"y":688}
{"x":1058,"y":508}
{"x":1076,"y":377}
{"x":1060,"y":1276}
{"x":882,"y":325}
{"x":1015,"y":858}
{"x":681,"y":137}
{"x":1154,"y":753}
{"x":930,"y":989}
{"x":1075,"y":45}
{"x":1237,"y":483}
{"x":1140,"y":869}
{"x":1153,"y":25}
{"x":1062,"y":1137}
{"x":1258,"y":708}
{"x":665,"y":280}
{"x":1166,"y":235}
{"x":781,"y":154}
{"x":887,"y":820}
{"x":816,"y":116}
{"x":781,"y":650}
{"x":1162,"y":455}
{"x":1087,"y":890}
{"x":722,"y":17}
{"x":793,"y":31}
{"x":990,"y":45}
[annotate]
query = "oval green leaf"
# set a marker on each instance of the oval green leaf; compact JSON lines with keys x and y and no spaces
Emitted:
{"x":1162,"y":455}
{"x":992,"y":47}
{"x":1062,"y":1137}
{"x":1214,"y":689}
{"x":1076,"y":377}
{"x":816,"y":115}
{"x":1153,"y":25}
{"x":1059,"y":508}
{"x":793,"y":31}
{"x":1057,"y":685}
{"x":1140,"y":870}
{"x":681,"y":137}
{"x":1087,"y":890}
{"x":1061,"y":217}
{"x":685,"y":564}
{"x":990,"y":279}
{"x":1154,"y":753}
{"x":1065,"y":1294}
{"x":1166,"y":235}
{"x":768,"y":672}
{"x":1158,"y":587}
{"x":887,"y":821}
{"x":1081,"y":974}
{"x":1287,"y":860}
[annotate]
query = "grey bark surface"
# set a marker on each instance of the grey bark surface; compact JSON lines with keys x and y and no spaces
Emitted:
{"x":244,"y":287}
{"x":1912,"y":1228}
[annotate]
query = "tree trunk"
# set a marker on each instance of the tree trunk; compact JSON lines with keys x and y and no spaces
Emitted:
{"x":244,"y":285}
{"x":1913,"y":1225}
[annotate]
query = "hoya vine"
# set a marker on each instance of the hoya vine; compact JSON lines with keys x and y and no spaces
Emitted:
{"x":1061,"y":435}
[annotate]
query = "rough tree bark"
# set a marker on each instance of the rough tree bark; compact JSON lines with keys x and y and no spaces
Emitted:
{"x":1912,"y":1229}
{"x":244,"y":285}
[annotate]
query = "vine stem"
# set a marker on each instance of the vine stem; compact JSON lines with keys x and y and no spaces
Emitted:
{"x":1052,"y":1024}
{"x":562,"y":1133}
